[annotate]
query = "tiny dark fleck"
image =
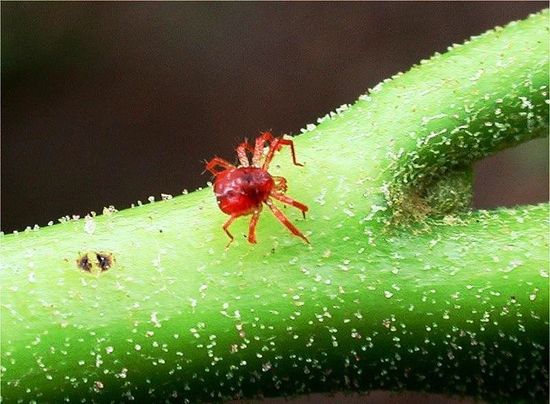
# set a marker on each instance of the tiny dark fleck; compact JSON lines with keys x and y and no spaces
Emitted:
{"x":160,"y":230}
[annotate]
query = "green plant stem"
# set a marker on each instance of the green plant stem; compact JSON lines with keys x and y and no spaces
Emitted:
{"x":400,"y":288}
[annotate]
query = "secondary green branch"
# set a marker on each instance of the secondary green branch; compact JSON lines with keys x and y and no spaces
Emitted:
{"x":456,"y":303}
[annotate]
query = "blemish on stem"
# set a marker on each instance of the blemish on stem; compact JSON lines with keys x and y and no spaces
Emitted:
{"x":95,"y":262}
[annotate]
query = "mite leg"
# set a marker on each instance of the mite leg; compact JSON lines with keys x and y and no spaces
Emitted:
{"x":280,"y":184}
{"x":241,"y":152}
{"x":218,"y":162}
{"x":291,"y":202}
{"x":284,"y":220}
{"x":275,"y":146}
{"x":252,"y":226}
{"x":226,"y":229}
{"x":259,"y":147}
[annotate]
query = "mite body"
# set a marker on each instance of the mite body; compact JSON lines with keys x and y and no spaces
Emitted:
{"x":243,"y":190}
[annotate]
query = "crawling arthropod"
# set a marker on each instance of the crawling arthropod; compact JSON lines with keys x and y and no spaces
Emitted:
{"x":243,"y":190}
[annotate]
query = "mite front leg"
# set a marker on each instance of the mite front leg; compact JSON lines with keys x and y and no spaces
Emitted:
{"x":241,"y":153}
{"x":259,"y":147}
{"x":218,"y":162}
{"x":226,"y":229}
{"x":252,"y":226}
{"x":289,"y":201}
{"x":284,"y":220}
{"x":275,"y":146}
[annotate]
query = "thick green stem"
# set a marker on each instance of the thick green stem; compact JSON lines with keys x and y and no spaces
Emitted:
{"x":456,"y":303}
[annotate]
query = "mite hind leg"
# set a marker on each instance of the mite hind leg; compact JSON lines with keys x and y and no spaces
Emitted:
{"x":252,"y":226}
{"x":292,"y":202}
{"x":226,"y":229}
{"x":284,"y":220}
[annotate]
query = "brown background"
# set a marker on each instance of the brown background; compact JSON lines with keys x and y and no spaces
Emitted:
{"x":108,"y":103}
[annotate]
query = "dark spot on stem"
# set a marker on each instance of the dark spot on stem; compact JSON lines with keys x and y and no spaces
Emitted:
{"x":104,"y":260}
{"x":84,"y":263}
{"x":95,"y":261}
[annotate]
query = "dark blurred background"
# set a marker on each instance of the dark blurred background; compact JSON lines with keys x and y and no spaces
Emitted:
{"x":107,"y":103}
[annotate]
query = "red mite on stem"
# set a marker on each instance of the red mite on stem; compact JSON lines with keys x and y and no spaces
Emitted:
{"x":243,"y":190}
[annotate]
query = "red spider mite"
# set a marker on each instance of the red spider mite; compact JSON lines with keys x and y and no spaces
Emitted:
{"x":243,"y":190}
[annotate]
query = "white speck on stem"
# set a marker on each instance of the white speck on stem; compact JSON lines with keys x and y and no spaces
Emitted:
{"x":155,"y":320}
{"x":89,"y":225}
